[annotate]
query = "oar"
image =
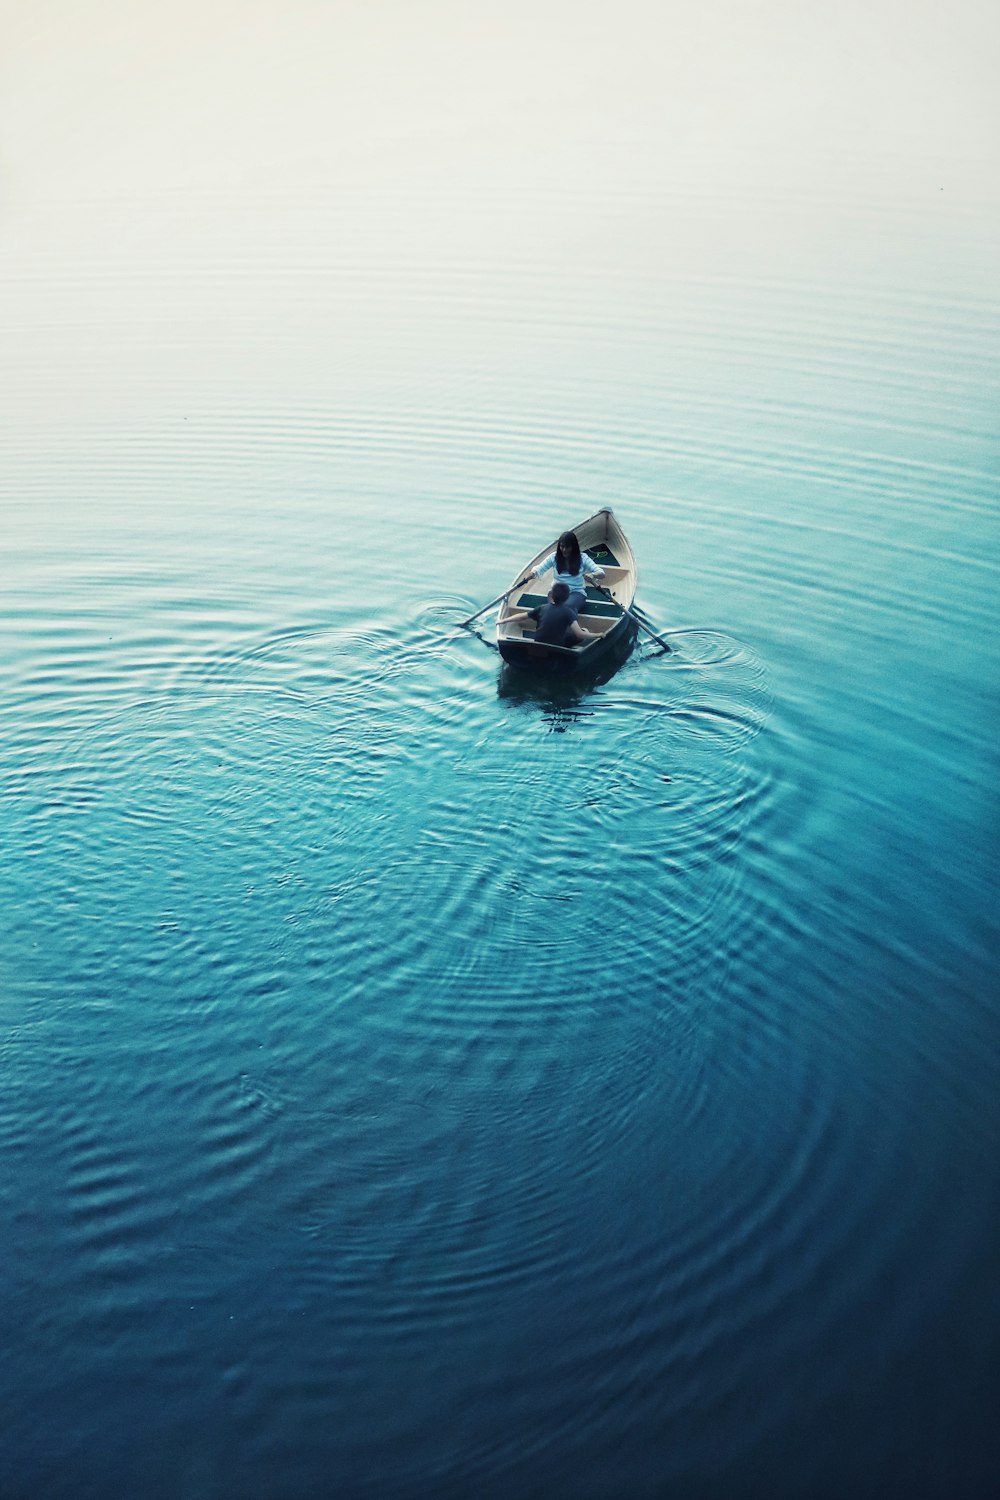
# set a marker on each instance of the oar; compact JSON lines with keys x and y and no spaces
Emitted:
{"x":631,"y":612}
{"x":498,"y":600}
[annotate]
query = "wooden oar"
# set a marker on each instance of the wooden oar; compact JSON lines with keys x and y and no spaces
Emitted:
{"x":631,"y":612}
{"x":498,"y":600}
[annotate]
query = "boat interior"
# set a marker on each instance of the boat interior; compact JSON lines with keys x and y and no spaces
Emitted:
{"x":599,"y":616}
{"x":601,"y":613}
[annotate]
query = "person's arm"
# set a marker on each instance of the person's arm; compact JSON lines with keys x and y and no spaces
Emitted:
{"x":581,"y":633}
{"x":544,"y":567}
{"x":592,"y":569}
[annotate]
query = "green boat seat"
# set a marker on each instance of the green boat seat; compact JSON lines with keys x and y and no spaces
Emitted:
{"x":596,"y":603}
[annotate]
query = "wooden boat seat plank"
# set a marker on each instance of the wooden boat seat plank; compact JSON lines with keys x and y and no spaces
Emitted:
{"x":596,"y":605}
{"x":596,"y":624}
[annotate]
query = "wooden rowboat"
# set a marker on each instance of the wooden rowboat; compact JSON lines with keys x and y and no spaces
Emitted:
{"x":606,"y":611}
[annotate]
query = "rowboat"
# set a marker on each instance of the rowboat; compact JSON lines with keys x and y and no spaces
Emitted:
{"x":605,"y":613}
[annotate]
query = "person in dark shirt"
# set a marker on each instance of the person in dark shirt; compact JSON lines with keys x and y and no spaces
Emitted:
{"x":556,"y":621}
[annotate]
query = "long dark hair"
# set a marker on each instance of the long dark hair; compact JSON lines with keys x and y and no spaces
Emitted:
{"x":568,"y":559}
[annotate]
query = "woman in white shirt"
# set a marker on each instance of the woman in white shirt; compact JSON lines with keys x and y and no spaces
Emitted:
{"x":572,"y":567}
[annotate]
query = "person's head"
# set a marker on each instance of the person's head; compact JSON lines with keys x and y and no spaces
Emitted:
{"x":568,"y":553}
{"x":559,"y":593}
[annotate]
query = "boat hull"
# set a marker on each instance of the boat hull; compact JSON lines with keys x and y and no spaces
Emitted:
{"x":530,"y":656}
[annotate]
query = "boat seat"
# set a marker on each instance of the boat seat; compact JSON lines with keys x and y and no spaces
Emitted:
{"x":597,"y":624}
{"x":596,"y":603}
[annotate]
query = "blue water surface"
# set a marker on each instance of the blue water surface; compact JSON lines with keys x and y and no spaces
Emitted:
{"x":417,"y":1080}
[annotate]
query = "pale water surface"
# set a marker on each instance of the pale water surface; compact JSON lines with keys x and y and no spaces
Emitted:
{"x":416,"y":1082}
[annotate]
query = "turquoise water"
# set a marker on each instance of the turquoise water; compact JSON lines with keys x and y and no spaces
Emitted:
{"x":416,"y":1081}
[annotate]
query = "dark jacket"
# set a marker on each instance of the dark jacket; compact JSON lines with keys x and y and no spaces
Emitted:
{"x":554,"y":621}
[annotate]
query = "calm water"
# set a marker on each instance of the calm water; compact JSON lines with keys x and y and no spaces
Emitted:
{"x":417,"y":1082}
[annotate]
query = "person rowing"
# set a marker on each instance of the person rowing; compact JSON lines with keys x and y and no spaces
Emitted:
{"x":572,"y":567}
